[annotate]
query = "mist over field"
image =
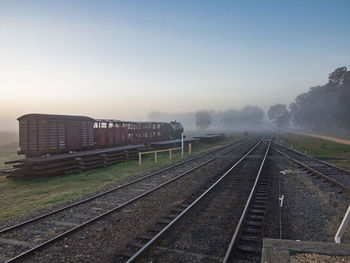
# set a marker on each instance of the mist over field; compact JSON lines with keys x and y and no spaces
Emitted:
{"x":229,"y":62}
{"x":119,"y":117}
{"x":8,"y":138}
{"x":321,"y":109}
{"x":249,"y":117}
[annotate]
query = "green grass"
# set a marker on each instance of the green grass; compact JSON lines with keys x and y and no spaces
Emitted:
{"x":7,"y":138}
{"x":319,"y":148}
{"x":336,"y":135}
{"x":8,"y":148}
{"x":23,"y":196}
{"x":8,"y":153}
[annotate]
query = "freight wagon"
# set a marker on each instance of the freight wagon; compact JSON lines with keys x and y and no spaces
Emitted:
{"x":42,"y":134}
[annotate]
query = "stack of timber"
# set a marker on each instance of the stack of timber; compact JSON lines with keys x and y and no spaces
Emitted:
{"x":211,"y":137}
{"x":171,"y":143}
{"x":72,"y":162}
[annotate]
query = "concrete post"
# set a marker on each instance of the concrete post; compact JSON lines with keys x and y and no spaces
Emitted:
{"x":344,"y":224}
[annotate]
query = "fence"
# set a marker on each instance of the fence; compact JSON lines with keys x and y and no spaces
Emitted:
{"x":165,"y":150}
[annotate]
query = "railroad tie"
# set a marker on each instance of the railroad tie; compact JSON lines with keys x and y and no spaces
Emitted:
{"x":7,"y":241}
{"x":136,"y":245}
{"x":144,"y":238}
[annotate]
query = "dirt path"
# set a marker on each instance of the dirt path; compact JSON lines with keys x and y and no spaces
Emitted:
{"x":325,"y":137}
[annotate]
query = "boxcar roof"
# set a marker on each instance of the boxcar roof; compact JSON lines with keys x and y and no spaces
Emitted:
{"x":55,"y":116}
{"x":132,"y":122}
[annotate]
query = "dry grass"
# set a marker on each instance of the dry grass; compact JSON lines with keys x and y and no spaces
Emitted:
{"x":317,"y":258}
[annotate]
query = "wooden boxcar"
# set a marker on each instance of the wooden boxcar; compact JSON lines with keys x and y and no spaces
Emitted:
{"x":41,"y":134}
{"x":109,"y":133}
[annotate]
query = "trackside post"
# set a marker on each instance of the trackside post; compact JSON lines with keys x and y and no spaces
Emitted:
{"x":156,"y":154}
{"x":344,"y":224}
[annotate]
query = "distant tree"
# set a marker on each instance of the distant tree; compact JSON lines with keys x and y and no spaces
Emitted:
{"x":294,"y":110}
{"x":324,"y":108}
{"x":247,"y":116}
{"x":337,"y":76}
{"x":203,"y":119}
{"x":251,"y":115}
{"x":343,"y":107}
{"x":230,"y":117}
{"x":246,"y":133}
{"x":316,"y":108}
{"x":280,"y":115}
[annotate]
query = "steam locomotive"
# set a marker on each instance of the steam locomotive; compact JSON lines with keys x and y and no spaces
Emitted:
{"x":43,"y":134}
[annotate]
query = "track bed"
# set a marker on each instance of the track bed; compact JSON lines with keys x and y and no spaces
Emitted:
{"x":70,"y":221}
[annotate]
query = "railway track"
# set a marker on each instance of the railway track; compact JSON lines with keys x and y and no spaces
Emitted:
{"x":21,"y":240}
{"x":330,"y":173}
{"x":246,"y":243}
{"x":199,"y":229}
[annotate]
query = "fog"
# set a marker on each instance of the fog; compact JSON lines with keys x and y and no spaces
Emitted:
{"x":169,"y":60}
{"x":248,"y":117}
{"x":322,"y":109}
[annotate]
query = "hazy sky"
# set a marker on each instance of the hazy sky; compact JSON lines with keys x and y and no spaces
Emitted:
{"x":124,"y":59}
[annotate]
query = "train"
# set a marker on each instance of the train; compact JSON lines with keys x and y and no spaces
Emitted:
{"x":49,"y":134}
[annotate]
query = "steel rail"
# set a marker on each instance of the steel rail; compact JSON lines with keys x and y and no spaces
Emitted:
{"x":313,"y":158}
{"x":237,"y":144}
{"x":342,"y":186}
{"x":88,"y":222}
{"x":156,"y":237}
{"x":244,"y":213}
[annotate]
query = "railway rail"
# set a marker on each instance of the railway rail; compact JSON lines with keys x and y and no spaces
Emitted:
{"x":330,"y":173}
{"x":200,"y":229}
{"x":71,"y":218}
{"x":246,"y":242}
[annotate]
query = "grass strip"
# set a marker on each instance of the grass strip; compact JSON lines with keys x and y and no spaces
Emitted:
{"x":329,"y":151}
{"x":19,"y":197}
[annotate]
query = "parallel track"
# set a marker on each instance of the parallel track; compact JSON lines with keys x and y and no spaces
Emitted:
{"x":117,"y":188}
{"x":144,"y":184}
{"x":225,"y":189}
{"x":246,"y":242}
{"x":331,"y":173}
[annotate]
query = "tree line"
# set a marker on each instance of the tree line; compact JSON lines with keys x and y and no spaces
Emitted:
{"x":323,"y":108}
{"x":246,"y":117}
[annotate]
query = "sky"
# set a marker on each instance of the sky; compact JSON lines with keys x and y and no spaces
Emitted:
{"x":124,"y":59}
